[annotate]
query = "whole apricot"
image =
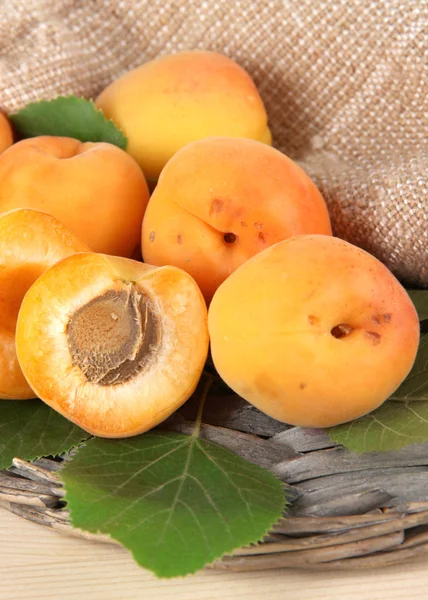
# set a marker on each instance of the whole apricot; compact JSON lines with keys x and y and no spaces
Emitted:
{"x":96,"y":189}
{"x":30,"y":243}
{"x":313,"y":331}
{"x":112,"y":344}
{"x":166,"y":103}
{"x":220,"y":201}
{"x":6,"y":134}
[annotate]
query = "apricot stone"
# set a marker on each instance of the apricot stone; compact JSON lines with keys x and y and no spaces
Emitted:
{"x":220,"y":201}
{"x":171,"y":101}
{"x":112,"y":344}
{"x":96,"y":189}
{"x":6,"y":135}
{"x":30,"y":243}
{"x":313,"y":331}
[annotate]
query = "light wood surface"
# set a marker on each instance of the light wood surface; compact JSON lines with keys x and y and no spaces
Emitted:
{"x":37,"y":563}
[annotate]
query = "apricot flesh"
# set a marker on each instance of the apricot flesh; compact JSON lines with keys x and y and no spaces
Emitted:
{"x":313,"y":331}
{"x":6,"y":135}
{"x":166,"y":103}
{"x":113,"y":344}
{"x":30,"y":243}
{"x":96,"y":189}
{"x":220,"y":201}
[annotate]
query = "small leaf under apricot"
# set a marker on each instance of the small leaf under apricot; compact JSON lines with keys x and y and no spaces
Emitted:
{"x":392,"y":426}
{"x":401,"y":421}
{"x":67,"y":116}
{"x":30,"y":429}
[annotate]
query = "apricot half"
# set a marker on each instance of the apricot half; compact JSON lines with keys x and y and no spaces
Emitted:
{"x":6,"y":135}
{"x":96,"y":189}
{"x":220,"y":201}
{"x":30,"y":243}
{"x":166,"y":103}
{"x":113,"y":344}
{"x":313,"y":331}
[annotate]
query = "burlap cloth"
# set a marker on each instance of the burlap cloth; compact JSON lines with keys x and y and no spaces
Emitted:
{"x":344,"y":83}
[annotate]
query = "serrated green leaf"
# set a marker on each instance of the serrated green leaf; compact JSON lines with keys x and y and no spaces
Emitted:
{"x":67,"y":117}
{"x":30,"y":429}
{"x":175,"y":501}
{"x":420,"y":300}
{"x":390,"y":427}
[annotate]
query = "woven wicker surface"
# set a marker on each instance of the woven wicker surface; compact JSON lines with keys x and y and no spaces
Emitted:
{"x":348,"y":511}
{"x":344,"y":84}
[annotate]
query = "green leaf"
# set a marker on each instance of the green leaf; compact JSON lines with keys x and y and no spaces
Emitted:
{"x":390,"y":427}
{"x":420,"y":300}
{"x":175,"y":501}
{"x":67,"y":117}
{"x":30,"y":429}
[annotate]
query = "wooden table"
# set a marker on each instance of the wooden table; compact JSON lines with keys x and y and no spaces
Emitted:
{"x":37,"y":563}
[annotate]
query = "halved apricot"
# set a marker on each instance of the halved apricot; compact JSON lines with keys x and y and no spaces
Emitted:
{"x":30,"y":242}
{"x":113,"y":344}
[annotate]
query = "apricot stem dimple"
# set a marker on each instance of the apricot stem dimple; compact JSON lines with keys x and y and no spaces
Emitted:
{"x":342,"y":330}
{"x":230,"y":238}
{"x":112,"y":337}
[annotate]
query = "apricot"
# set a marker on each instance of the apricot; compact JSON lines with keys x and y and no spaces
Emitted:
{"x":220,"y":201}
{"x":113,"y":344}
{"x":171,"y":101}
{"x":313,"y":331}
{"x":6,"y":134}
{"x":96,"y":189}
{"x":30,"y":243}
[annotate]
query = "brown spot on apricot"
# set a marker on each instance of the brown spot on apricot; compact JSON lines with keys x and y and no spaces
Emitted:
{"x":262,"y":237}
{"x":373,"y":337}
{"x":179,"y":239}
{"x":265,"y":385}
{"x":382,"y":318}
{"x":302,"y":386}
{"x":258,"y":224}
{"x":313,"y":320}
{"x":216,"y":206}
{"x":152,"y":236}
{"x":243,"y":224}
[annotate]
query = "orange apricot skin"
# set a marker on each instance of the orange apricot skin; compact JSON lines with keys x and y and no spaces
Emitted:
{"x":278,"y":349}
{"x":96,"y":189}
{"x":6,"y":134}
{"x":166,"y":103}
{"x":138,"y":405}
{"x":30,"y":242}
{"x":220,"y":186}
